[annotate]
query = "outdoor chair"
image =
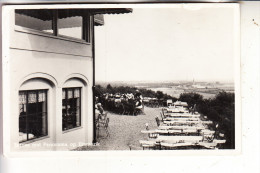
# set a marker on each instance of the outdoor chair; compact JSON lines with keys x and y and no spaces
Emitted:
{"x":102,"y":117}
{"x":129,"y":109}
{"x":163,"y":116}
{"x":147,"y":144}
{"x":137,"y":111}
{"x":103,"y":122}
{"x":152,"y":135}
{"x":148,"y":147}
{"x":165,"y":112}
{"x":133,"y":147}
{"x":209,"y":138}
{"x":157,"y":121}
{"x":167,"y":146}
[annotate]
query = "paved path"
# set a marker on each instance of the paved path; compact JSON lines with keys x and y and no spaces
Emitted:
{"x":125,"y":130}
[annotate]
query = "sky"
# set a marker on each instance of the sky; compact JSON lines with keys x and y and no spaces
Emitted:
{"x":166,"y":44}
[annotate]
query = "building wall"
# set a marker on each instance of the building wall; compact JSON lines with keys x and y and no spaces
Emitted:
{"x":54,"y":63}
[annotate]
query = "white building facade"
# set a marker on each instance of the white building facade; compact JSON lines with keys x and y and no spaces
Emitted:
{"x":50,"y":76}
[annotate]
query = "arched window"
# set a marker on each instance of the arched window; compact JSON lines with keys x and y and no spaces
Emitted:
{"x":72,"y":98}
{"x":33,"y":114}
{"x":33,"y":109}
{"x":71,"y":108}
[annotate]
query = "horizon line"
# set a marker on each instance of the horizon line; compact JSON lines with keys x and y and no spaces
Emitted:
{"x":164,"y":81}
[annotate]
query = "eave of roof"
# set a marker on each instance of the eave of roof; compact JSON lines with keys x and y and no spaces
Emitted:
{"x":111,"y":10}
{"x":46,"y":14}
{"x":99,"y":20}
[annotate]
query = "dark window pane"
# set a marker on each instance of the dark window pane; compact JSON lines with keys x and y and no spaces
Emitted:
{"x":42,"y":107}
{"x":44,"y":124}
{"x":72,"y":103}
{"x":71,"y":108}
{"x":33,"y":114}
{"x":32,"y":108}
{"x":34,"y":125}
{"x":22,"y":122}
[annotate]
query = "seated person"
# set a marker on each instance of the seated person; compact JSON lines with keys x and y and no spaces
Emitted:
{"x":138,"y":95}
{"x":100,"y":108}
{"x":99,"y":111}
{"x":139,"y":104}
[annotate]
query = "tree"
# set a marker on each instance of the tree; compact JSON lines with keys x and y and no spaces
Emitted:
{"x":99,"y":91}
{"x":221,"y":110}
{"x":109,"y":87}
{"x":191,"y":98}
{"x":159,"y":95}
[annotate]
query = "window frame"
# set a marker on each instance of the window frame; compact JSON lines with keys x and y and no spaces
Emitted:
{"x":80,"y":107}
{"x":85,"y":29}
{"x":28,"y":114}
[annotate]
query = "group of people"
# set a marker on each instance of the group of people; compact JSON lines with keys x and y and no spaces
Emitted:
{"x":131,"y":104}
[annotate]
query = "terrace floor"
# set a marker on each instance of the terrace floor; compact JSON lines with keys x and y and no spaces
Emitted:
{"x":125,"y":131}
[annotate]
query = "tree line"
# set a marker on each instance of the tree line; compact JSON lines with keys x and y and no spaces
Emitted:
{"x":220,"y":110}
{"x":99,"y":91}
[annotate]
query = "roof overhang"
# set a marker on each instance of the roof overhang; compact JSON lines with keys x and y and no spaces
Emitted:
{"x":99,"y":20}
{"x":46,"y":14}
{"x":111,"y":10}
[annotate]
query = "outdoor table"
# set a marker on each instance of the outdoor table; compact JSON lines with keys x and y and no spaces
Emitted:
{"x":183,"y":115}
{"x":175,"y":139}
{"x":190,"y":131}
{"x":219,"y":141}
{"x":206,"y":131}
{"x":204,"y":144}
{"x":160,"y":131}
{"x":174,"y":131}
{"x":169,"y":131}
{"x":177,"y":109}
{"x":172,"y":145}
{"x":182,"y":127}
{"x":181,"y":119}
{"x":148,"y":131}
{"x":166,"y":131}
{"x":147,"y":142}
{"x":207,"y":122}
{"x":208,"y":144}
{"x":184,"y":122}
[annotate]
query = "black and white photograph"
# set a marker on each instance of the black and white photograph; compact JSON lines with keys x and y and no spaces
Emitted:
{"x":121,"y":78}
